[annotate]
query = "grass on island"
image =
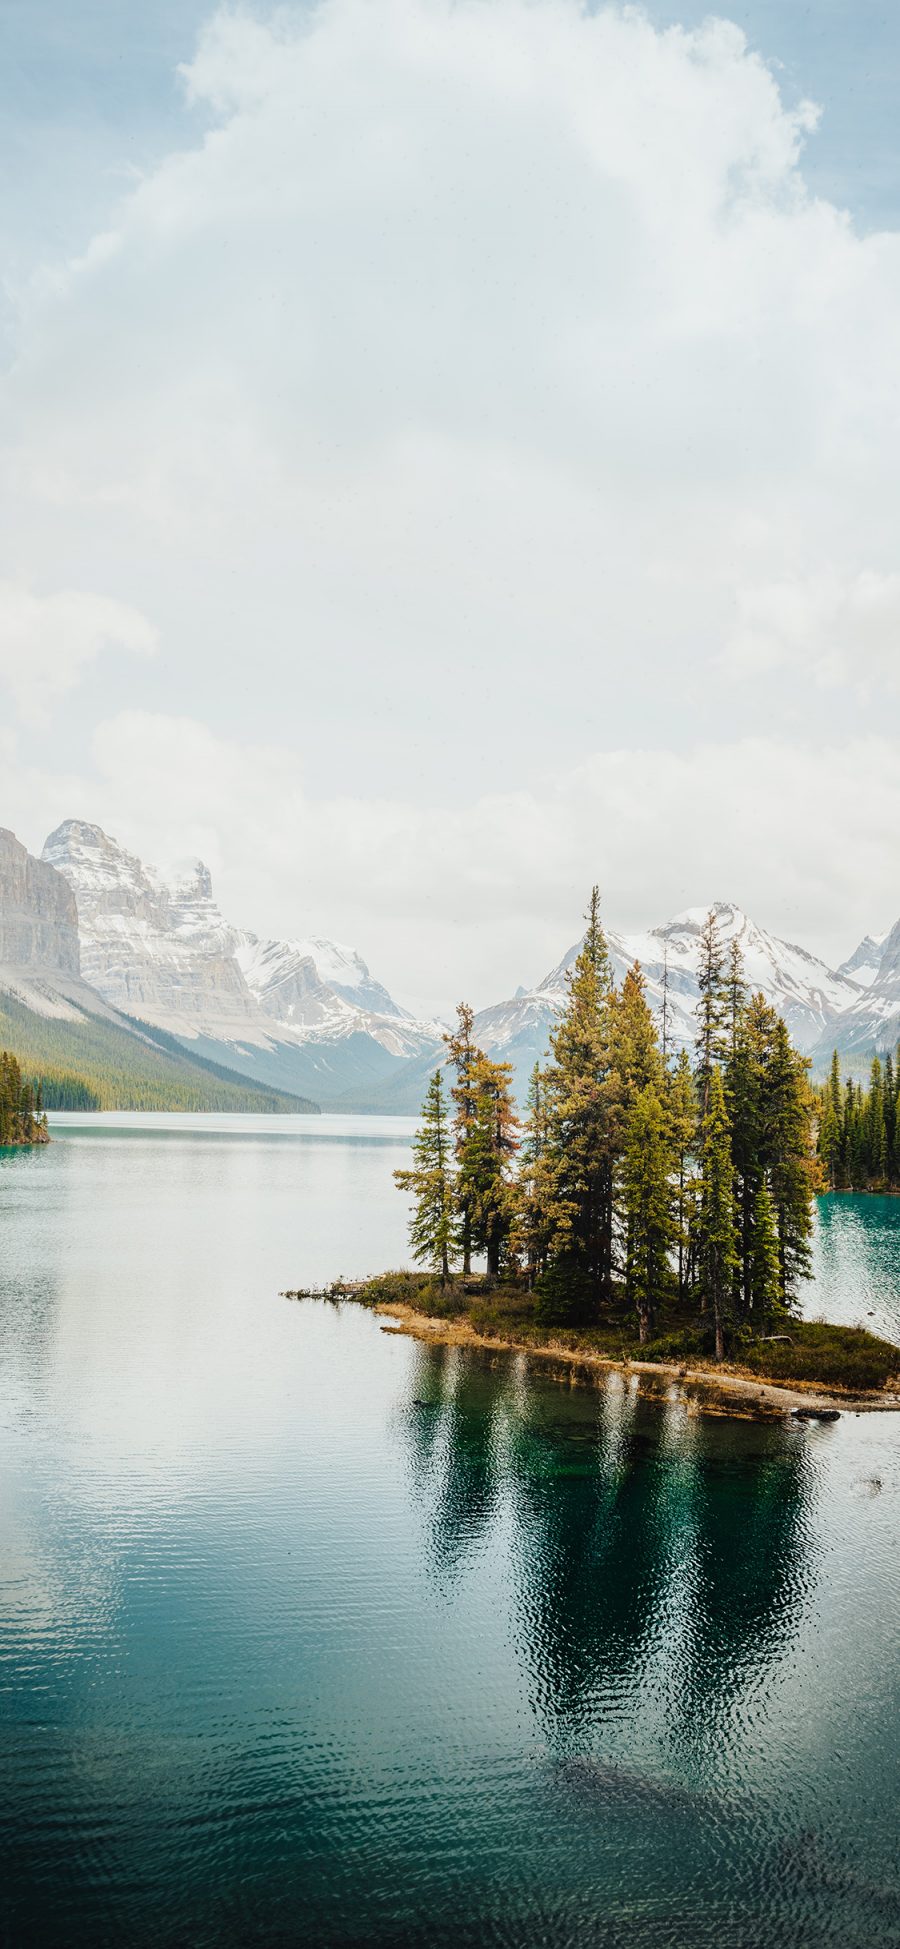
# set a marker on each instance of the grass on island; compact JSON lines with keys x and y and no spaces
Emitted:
{"x":815,"y":1353}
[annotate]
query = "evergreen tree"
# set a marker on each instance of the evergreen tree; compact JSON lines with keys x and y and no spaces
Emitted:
{"x":735,"y":992}
{"x":712,"y":1008}
{"x":464,"y":1054}
{"x":485,"y":1190}
{"x":22,"y":1119}
{"x":634,"y":1043}
{"x":683,"y":1129}
{"x":830,"y":1127}
{"x":581,"y":1127}
{"x":890,"y":1114}
{"x":749,"y":1034}
{"x":430,"y":1184}
{"x":790,"y":1173}
{"x":876,"y":1127}
{"x":717,"y":1228}
{"x":647,"y":1172}
{"x":532,"y":1227}
{"x":765,"y":1280}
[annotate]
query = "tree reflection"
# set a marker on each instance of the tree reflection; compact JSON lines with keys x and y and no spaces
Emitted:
{"x":657,"y":1557}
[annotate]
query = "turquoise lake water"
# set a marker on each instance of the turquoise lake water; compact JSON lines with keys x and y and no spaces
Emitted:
{"x":311,"y":1635}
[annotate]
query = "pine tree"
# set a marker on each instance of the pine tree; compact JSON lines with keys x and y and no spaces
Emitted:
{"x":765,"y":1281}
{"x":582,"y":1131}
{"x":430,"y":1184}
{"x":749,"y":1035}
{"x":712,"y":1009}
{"x":485,"y":1191}
{"x":463,"y":1053}
{"x":532,"y":1227}
{"x":634,"y":1042}
{"x":649,"y":1224}
{"x":735,"y":992}
{"x":876,"y":1132}
{"x":717,"y":1228}
{"x":890,"y":1114}
{"x":790,"y":1172}
{"x":830,"y":1123}
{"x":682,"y":1107}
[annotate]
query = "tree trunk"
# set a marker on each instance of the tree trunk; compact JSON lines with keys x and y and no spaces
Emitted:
{"x":720,"y":1331}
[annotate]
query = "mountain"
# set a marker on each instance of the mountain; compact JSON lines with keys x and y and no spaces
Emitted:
{"x":811,"y":996}
{"x":865,"y":961}
{"x":872,"y":1024}
{"x":38,"y":915}
{"x":301,"y":1015}
{"x":89,"y":1053}
{"x":306,"y":1015}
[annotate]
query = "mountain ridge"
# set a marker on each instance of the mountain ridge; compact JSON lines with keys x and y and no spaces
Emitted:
{"x":307,"y":1015}
{"x":304,"y":1014}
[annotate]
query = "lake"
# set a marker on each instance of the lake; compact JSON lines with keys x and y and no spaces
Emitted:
{"x":312,"y":1635}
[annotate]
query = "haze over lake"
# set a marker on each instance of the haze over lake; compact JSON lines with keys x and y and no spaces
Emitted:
{"x":310,"y":1633}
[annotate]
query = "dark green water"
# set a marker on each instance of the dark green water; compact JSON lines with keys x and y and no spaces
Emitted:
{"x":311,"y":1635}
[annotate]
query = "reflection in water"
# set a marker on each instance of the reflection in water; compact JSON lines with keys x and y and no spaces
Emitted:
{"x":656,"y":1554}
{"x":664,"y":1565}
{"x":311,"y":1633}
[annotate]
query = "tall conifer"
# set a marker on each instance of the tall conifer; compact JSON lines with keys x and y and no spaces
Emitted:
{"x":716,"y":1221}
{"x":430,"y":1184}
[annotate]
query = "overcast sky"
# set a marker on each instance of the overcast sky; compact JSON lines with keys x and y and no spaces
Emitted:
{"x":450,"y":454}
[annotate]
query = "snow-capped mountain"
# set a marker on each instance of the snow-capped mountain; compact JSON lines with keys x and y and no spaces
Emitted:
{"x":872,"y":1024}
{"x":865,"y":961}
{"x":282,"y":974}
{"x":811,"y":996}
{"x":155,"y":949}
{"x":307,"y":1013}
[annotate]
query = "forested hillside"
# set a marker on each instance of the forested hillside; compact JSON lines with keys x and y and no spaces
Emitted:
{"x":21,"y":1115}
{"x":94,"y":1064}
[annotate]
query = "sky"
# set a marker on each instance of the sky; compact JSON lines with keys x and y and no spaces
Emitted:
{"x":449,"y":455}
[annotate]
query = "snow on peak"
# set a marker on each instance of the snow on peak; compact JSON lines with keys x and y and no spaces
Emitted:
{"x":805,"y":991}
{"x":157,"y":946}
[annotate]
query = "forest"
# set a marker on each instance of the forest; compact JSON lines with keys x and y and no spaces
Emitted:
{"x":93,"y":1064}
{"x":673,"y":1187}
{"x":22,"y":1119}
{"x":858,"y":1129}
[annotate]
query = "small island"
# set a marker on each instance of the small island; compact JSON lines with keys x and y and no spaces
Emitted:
{"x":654,"y":1210}
{"x":22,"y":1116}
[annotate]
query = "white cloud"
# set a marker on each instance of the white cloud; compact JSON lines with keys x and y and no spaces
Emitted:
{"x":470,"y":335}
{"x":47,"y":642}
{"x":485,"y":391}
{"x":843,"y":629}
{"x":475,"y":898}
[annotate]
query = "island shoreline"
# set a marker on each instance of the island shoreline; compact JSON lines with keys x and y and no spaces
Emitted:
{"x":770,"y":1398}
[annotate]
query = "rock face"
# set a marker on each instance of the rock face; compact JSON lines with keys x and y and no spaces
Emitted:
{"x":863,"y":964}
{"x":161,"y":950}
{"x":155,"y":949}
{"x":38,"y":914}
{"x":872,"y":1025}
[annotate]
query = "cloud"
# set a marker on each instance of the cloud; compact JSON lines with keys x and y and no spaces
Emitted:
{"x":476,"y":897}
{"x":47,"y":642}
{"x":485,"y":411}
{"x":468,"y":337}
{"x":842,"y":629}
